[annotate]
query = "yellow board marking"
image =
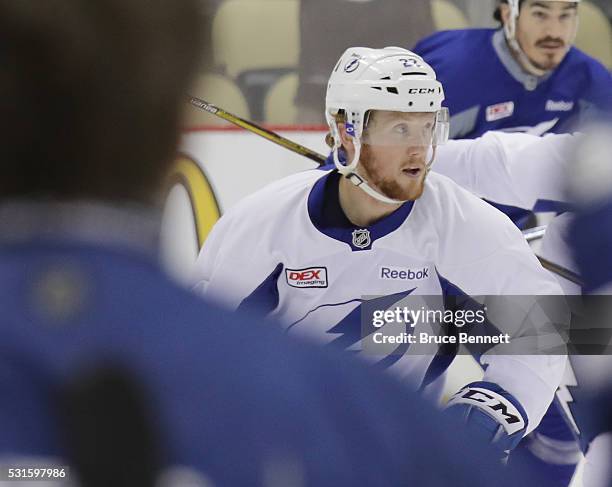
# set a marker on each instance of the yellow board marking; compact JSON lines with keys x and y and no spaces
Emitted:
{"x":189,"y":174}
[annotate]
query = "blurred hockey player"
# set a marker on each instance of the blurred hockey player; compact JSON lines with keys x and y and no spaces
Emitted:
{"x":523,"y":170}
{"x":589,"y":238}
{"x":105,"y":363}
{"x":527,"y":78}
{"x":308,"y":248}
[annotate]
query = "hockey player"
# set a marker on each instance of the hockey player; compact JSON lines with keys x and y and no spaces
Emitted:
{"x":528,"y":172}
{"x":91,"y":94}
{"x":524,"y":170}
{"x":527,"y":78}
{"x":308,"y":248}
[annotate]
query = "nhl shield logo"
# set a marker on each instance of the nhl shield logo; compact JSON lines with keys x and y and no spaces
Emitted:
{"x":361,"y":239}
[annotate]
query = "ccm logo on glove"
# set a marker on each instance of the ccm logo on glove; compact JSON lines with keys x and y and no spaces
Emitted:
{"x":495,"y":405}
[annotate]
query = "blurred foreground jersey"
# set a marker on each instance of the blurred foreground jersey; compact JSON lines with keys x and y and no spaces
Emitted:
{"x":234,"y":400}
{"x":590,"y":240}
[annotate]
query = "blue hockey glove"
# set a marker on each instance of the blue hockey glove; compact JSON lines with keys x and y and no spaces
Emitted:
{"x":491,"y":413}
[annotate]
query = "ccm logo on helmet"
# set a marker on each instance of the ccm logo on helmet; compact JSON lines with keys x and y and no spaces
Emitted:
{"x":310,"y":277}
{"x":421,"y":91}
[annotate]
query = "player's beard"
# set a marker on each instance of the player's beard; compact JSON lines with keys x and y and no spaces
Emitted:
{"x":371,"y":169}
{"x":550,"y":61}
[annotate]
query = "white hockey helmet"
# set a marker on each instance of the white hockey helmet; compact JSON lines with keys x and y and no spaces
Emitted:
{"x":510,"y":32}
{"x":392,"y":79}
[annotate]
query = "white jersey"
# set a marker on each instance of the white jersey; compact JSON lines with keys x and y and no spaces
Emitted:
{"x":515,"y":169}
{"x":524,"y":171}
{"x":290,"y":247}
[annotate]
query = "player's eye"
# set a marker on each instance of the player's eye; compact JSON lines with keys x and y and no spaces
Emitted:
{"x":538,"y":14}
{"x":401,"y":129}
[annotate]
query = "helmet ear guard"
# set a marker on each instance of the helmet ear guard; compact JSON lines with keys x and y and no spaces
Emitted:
{"x":354,"y":130}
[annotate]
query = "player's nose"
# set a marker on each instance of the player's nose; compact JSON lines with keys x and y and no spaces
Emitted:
{"x":416,"y":150}
{"x":553,"y":29}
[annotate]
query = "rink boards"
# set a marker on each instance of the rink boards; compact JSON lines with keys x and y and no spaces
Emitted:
{"x":217,"y":168}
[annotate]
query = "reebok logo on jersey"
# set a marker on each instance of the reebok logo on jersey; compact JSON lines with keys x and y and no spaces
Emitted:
{"x":402,"y":274}
{"x":310,"y":277}
{"x":499,"y":111}
{"x":559,"y":106}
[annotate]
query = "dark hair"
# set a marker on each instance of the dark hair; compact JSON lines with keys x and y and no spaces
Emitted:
{"x":91,"y":94}
{"x":497,"y":13}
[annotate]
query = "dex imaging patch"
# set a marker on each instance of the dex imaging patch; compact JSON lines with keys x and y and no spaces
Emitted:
{"x":305,"y":278}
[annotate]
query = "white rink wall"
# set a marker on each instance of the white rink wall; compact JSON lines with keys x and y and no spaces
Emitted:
{"x":235,"y":163}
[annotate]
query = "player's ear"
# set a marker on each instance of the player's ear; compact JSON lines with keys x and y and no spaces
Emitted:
{"x":346,"y":139}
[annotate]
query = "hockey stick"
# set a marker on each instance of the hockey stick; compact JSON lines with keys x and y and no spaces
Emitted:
{"x":256,"y":129}
{"x":320,"y":160}
{"x":560,"y":271}
{"x":539,"y":232}
{"x":534,"y":233}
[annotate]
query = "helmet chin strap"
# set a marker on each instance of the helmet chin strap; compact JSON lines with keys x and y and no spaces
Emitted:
{"x":350,"y":173}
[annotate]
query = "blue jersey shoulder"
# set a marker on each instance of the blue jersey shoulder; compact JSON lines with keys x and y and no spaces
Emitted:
{"x":466,"y":64}
{"x":464,"y":60}
{"x":452,"y":41}
{"x":457,"y":56}
{"x":589,"y":76}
